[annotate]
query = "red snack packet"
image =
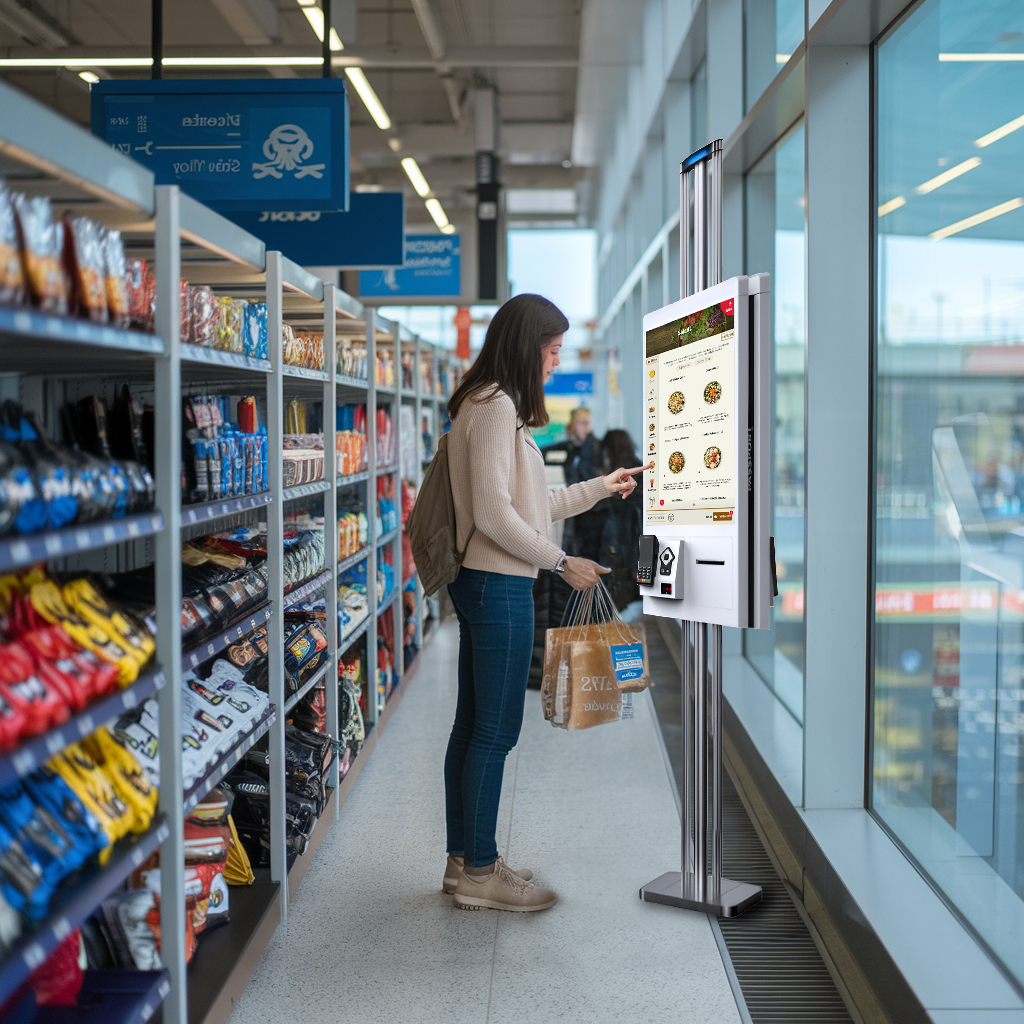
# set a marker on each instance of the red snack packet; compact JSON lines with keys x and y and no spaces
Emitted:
{"x":22,"y":688}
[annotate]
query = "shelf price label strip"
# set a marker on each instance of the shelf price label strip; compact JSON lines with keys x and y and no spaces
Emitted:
{"x":305,"y":688}
{"x":40,"y":547}
{"x":355,"y":559}
{"x":215,"y":357}
{"x":210,"y":510}
{"x":387,"y":538}
{"x":299,"y":594}
{"x":204,"y":651}
{"x":75,"y":905}
{"x":229,"y":760}
{"x":39,"y":749}
{"x":348,"y":641}
{"x":305,"y":490}
{"x":304,"y":371}
{"x":352,"y":478}
{"x":39,"y":325}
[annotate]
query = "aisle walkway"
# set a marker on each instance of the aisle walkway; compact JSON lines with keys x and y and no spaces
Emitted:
{"x":371,"y":938}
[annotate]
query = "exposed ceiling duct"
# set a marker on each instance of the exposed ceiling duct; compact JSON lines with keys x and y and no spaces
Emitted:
{"x":34,"y":26}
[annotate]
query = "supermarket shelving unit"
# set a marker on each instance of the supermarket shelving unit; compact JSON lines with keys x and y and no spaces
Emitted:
{"x":41,"y":151}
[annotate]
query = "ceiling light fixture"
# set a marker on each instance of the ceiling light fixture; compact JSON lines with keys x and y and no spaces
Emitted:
{"x":954,"y":172}
{"x":173,"y":62}
{"x":315,"y":17}
{"x":782,"y":58}
{"x":893,"y":204}
{"x":89,"y":76}
{"x":369,"y":98}
{"x":436,"y":210}
{"x":412,"y":169}
{"x":999,"y":133}
{"x":969,"y":57}
{"x":448,"y":229}
{"x":978,"y":218}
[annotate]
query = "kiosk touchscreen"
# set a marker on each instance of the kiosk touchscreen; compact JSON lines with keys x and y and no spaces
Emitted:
{"x":705,"y":555}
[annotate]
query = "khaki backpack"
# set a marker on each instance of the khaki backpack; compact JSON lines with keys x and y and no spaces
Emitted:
{"x":430,"y":526}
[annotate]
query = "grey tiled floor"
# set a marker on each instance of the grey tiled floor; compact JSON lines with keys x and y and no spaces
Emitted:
{"x":370,"y":937}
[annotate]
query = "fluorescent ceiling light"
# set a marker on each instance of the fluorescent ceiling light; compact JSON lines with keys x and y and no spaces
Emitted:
{"x":369,"y":98}
{"x":315,"y":17}
{"x":436,"y":210}
{"x":999,"y":133}
{"x":782,"y":58}
{"x":967,"y":57}
{"x":88,"y":76}
{"x":241,"y":62}
{"x":412,"y":169}
{"x":978,"y":218}
{"x":172,"y":62}
{"x":448,"y":229}
{"x":954,"y":172}
{"x":70,"y":62}
{"x":893,"y":204}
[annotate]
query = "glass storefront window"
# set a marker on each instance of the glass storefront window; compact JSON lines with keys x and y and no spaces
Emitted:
{"x":948,"y":770}
{"x":775,"y":242}
{"x":772,"y":30}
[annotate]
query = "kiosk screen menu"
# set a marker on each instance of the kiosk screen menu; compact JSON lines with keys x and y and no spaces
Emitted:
{"x":690,"y":425}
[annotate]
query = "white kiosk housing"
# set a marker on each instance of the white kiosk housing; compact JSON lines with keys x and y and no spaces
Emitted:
{"x":706,"y":556}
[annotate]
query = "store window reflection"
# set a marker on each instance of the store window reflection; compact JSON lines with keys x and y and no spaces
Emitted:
{"x":772,"y":30}
{"x":775,"y":242}
{"x":949,"y":601}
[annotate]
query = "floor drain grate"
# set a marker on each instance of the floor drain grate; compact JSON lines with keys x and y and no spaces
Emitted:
{"x":778,"y":967}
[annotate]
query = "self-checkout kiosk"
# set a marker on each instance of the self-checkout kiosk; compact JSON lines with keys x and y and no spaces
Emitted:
{"x":706,"y":557}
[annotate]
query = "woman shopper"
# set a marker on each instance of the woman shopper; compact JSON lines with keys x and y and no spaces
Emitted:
{"x":503,"y":512}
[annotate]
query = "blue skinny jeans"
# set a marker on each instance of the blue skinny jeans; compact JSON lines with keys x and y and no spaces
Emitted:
{"x":495,"y":615}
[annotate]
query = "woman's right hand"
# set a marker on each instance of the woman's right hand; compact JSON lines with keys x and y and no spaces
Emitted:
{"x":582,"y":573}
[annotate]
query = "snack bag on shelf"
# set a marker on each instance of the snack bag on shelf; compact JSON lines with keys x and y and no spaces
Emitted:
{"x":38,"y":702}
{"x":83,"y":246}
{"x":41,"y":244}
{"x":12,"y":272}
{"x":203,"y":313}
{"x":96,"y":791}
{"x":118,"y":308}
{"x":141,"y":293}
{"x":83,"y":598}
{"x":126,"y":775}
{"x":45,"y":599}
{"x":255,"y":341}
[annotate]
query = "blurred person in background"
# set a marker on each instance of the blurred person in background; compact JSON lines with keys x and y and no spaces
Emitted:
{"x":582,"y":450}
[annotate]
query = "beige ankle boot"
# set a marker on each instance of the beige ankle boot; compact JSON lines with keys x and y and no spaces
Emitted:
{"x":453,"y":872}
{"x":502,"y":889}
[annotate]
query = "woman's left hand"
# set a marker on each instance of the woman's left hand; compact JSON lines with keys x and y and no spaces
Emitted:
{"x":621,"y":481}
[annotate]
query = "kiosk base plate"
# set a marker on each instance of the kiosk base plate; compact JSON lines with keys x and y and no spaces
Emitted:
{"x":734,"y":899}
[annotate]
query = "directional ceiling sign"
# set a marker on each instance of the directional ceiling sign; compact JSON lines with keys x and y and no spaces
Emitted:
{"x":234,"y":144}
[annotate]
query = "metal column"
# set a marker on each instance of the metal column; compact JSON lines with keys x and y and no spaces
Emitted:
{"x":330,"y":422}
{"x":275,"y":581}
{"x":700,"y":885}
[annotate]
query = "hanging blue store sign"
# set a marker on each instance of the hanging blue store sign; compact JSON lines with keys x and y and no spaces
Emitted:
{"x":234,"y":144}
{"x":369,"y":235}
{"x":570,"y":384}
{"x":431,"y":268}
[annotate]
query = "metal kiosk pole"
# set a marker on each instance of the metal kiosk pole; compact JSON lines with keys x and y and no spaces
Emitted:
{"x":700,"y":885}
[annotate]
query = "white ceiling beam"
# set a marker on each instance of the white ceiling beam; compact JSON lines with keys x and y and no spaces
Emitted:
{"x":436,"y":44}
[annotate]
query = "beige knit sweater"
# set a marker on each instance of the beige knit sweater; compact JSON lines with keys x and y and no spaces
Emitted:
{"x":498,"y":483}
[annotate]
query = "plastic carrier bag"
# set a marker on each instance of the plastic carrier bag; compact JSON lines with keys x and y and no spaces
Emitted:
{"x":591,"y":661}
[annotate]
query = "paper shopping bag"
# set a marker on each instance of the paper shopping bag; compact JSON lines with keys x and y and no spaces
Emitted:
{"x":592,"y":695}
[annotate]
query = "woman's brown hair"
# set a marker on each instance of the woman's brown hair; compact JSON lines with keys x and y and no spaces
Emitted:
{"x":512,"y":356}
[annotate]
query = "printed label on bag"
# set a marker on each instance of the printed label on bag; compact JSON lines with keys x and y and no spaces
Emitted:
{"x":627,"y":706}
{"x":628,"y":661}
